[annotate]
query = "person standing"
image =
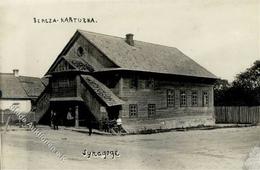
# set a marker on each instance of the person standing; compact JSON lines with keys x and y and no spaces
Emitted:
{"x":119,"y":124}
{"x":55,"y":121}
{"x":106,"y":125}
{"x":51,"y":119}
{"x":89,"y":125}
{"x":69,"y":117}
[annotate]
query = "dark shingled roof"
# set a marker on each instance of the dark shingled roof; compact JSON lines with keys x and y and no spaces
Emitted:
{"x":104,"y":93}
{"x":79,"y":63}
{"x":20,"y":87}
{"x":145,"y":56}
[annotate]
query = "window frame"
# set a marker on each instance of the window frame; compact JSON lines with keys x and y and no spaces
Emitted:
{"x":205,"y":98}
{"x":170,"y":97}
{"x":80,"y":51}
{"x":149,"y":83}
{"x":194,"y":97}
{"x":133,"y":108}
{"x":133,"y":83}
{"x":151,"y":110}
{"x":183,"y":101}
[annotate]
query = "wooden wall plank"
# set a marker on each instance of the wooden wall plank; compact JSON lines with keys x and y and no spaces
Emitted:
{"x":237,"y":114}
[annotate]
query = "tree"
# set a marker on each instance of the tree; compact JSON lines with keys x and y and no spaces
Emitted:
{"x":245,"y":89}
{"x":221,"y":87}
{"x":250,"y":79}
{"x":247,"y":84}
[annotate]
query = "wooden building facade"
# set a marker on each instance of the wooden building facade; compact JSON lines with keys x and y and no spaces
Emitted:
{"x":149,"y":86}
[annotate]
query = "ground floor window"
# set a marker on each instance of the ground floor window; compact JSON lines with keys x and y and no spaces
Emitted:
{"x":170,"y":98}
{"x":133,"y":110}
{"x":151,"y":110}
{"x":194,"y":98}
{"x":205,"y":99}
{"x":183,"y":99}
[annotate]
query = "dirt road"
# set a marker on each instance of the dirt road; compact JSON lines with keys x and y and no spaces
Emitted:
{"x":198,"y":149}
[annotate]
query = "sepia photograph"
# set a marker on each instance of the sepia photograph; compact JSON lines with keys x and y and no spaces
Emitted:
{"x":130,"y":85}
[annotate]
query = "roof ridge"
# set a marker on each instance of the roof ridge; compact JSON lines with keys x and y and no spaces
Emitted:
{"x":30,"y":77}
{"x":7,"y":73}
{"x":91,"y":32}
{"x":19,"y":75}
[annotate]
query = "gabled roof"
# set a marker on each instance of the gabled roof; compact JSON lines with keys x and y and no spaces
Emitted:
{"x":11,"y":87}
{"x":33,"y":86}
{"x":104,"y":93}
{"x":142,"y":56}
{"x":20,"y":87}
{"x":77,"y":63}
{"x":145,"y":56}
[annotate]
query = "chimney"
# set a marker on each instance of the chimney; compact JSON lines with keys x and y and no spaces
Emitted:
{"x":16,"y":72}
{"x":129,"y":39}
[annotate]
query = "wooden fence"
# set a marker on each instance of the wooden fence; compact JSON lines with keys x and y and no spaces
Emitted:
{"x":237,"y":114}
{"x":4,"y":114}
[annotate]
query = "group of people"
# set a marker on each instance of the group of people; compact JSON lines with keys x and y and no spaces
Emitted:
{"x":55,"y":121}
{"x":107,"y":125}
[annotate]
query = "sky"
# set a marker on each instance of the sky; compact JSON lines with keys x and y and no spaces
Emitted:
{"x":220,"y":35}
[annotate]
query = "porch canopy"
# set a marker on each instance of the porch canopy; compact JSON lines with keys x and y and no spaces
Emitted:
{"x":103,"y":92}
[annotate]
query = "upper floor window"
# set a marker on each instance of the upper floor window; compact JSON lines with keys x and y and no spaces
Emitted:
{"x":133,"y":83}
{"x":151,"y":110}
{"x":183,"y":99}
{"x":149,"y":83}
{"x":205,"y":99}
{"x":64,"y":86}
{"x":194,"y":98}
{"x":80,"y":51}
{"x":133,"y":110}
{"x":170,"y":98}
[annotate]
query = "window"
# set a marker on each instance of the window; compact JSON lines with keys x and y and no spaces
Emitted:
{"x":183,"y":99}
{"x":80,"y":51}
{"x":205,"y":99}
{"x":133,"y":110}
{"x":64,"y":86}
{"x":133,"y":83}
{"x":141,"y":84}
{"x":151,"y":110}
{"x":170,"y":98}
{"x":149,"y":83}
{"x":194,"y":98}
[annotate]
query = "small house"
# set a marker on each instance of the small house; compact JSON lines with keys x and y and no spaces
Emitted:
{"x":21,"y":91}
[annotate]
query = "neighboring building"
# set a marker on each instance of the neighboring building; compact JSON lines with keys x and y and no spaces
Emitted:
{"x":18,"y":90}
{"x":149,"y":86}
